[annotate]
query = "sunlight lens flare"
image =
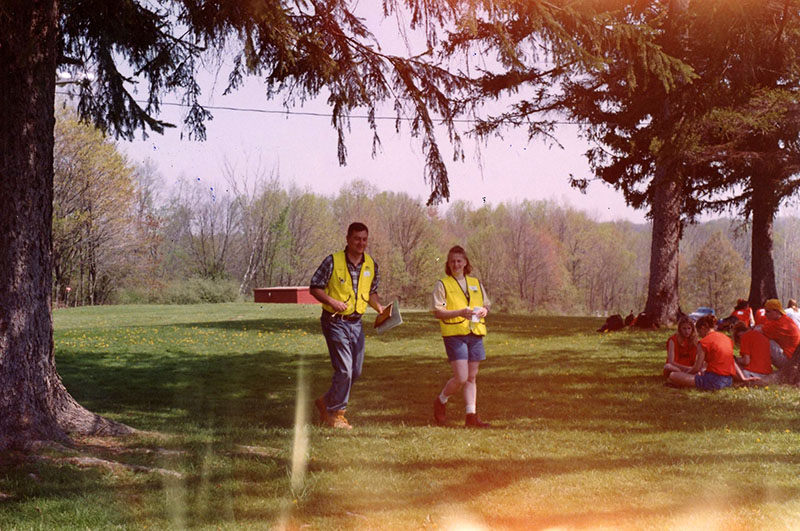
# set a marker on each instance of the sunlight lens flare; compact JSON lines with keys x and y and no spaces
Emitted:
{"x":300,"y":445}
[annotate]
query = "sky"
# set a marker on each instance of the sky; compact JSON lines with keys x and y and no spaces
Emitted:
{"x":302,"y":150}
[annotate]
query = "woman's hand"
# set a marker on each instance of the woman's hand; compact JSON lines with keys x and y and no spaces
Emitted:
{"x":481,"y":312}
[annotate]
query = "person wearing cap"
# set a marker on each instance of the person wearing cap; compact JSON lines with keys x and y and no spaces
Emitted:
{"x":346,"y":282}
{"x":782,"y":331}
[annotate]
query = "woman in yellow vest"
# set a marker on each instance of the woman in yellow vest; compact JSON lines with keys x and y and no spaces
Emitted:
{"x":460,"y":303}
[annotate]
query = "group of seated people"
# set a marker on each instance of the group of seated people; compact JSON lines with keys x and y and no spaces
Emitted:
{"x":700,"y":356}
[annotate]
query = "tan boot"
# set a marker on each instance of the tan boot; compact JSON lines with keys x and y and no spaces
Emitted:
{"x":336,"y":420}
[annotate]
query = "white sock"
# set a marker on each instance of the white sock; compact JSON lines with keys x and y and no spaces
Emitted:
{"x":471,"y":409}
{"x":443,"y":398}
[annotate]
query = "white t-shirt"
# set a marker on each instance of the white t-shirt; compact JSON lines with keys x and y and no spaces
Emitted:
{"x":794,"y":314}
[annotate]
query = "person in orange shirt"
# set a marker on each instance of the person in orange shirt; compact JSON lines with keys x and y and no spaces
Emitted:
{"x":760,"y":316}
{"x":754,"y":351}
{"x":782,"y":331}
{"x":715,"y":349}
{"x":681,"y":347}
{"x":743,"y":313}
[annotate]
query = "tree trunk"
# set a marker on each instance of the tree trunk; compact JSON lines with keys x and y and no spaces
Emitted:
{"x":661,"y":307}
{"x":762,"y":265}
{"x":34,"y":405}
{"x":788,"y":375}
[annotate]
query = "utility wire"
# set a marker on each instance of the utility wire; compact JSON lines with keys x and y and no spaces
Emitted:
{"x":300,"y":113}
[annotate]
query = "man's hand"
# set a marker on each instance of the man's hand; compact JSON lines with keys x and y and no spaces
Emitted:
{"x":337,"y":305}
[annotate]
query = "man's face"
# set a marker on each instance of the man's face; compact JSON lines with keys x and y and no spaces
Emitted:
{"x":772,"y":315}
{"x":357,"y":241}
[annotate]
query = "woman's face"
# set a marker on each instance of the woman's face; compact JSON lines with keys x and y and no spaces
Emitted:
{"x":457,"y":261}
{"x":685,"y":329}
{"x":703,"y":331}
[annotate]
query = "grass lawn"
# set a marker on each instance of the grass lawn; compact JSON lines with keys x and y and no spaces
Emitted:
{"x":584,"y":434}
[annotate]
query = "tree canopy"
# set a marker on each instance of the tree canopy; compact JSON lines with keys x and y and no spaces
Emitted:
{"x":122,"y":50}
{"x":699,"y":115}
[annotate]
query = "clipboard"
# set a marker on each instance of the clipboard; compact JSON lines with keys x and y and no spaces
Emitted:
{"x":388,"y":318}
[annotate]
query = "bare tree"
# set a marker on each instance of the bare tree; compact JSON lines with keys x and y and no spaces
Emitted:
{"x":532,"y":255}
{"x":309,"y":221}
{"x":262,"y":202}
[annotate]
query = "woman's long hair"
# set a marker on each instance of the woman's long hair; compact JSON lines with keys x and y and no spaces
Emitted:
{"x":693,"y":339}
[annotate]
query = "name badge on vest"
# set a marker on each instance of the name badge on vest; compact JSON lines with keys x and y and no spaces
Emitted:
{"x":473,"y":288}
{"x":366,"y":273}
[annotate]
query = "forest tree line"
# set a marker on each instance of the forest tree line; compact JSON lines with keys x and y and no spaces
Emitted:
{"x":121,"y":236}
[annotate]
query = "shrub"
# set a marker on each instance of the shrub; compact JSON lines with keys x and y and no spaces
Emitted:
{"x":196,"y":290}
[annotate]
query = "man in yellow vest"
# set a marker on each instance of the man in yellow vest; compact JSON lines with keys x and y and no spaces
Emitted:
{"x":345,"y":283}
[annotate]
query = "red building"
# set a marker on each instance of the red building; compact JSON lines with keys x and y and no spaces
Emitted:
{"x":287,"y":294}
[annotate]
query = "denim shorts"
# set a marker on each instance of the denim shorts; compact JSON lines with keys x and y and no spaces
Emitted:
{"x":469,"y":347}
{"x":711,"y":381}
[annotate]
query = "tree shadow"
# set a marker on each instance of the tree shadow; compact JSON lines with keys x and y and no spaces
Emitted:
{"x":237,"y":398}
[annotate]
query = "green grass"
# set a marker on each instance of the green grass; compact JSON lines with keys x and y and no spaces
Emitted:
{"x":584,"y":434}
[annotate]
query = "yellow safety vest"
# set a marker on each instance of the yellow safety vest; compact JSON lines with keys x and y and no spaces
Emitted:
{"x":456,"y":300}
{"x":340,"y":285}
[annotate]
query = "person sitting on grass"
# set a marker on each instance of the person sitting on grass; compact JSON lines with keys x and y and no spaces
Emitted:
{"x":760,"y":316}
{"x":792,"y":311}
{"x":715,"y":349}
{"x":782,"y":331}
{"x":754,"y":350}
{"x":681,"y":347}
{"x":743,"y":313}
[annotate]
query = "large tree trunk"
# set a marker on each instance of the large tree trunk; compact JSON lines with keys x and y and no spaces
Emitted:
{"x":762,"y":266}
{"x":34,"y":405}
{"x":661,"y":307}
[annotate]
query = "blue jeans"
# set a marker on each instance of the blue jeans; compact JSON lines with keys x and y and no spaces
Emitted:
{"x":345,"y":341}
{"x":779,"y":358}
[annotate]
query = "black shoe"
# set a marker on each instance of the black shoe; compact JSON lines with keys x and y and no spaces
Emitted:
{"x":474,"y":421}
{"x":439,"y":411}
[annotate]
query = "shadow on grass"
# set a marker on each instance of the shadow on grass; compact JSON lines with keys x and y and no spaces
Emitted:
{"x":245,"y":390}
{"x":417,"y":323}
{"x":253,"y":391}
{"x":237,"y":398}
{"x":45,"y":496}
{"x":486,"y":475}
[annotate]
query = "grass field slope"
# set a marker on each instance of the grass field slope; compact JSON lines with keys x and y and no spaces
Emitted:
{"x":584,"y":433}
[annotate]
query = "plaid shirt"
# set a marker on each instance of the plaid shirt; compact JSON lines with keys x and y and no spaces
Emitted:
{"x":323,"y":274}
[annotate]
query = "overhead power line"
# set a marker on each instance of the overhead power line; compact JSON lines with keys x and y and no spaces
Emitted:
{"x":288,"y":112}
